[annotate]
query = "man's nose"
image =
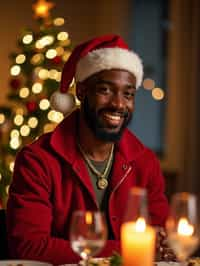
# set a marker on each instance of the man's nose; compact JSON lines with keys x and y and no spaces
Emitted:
{"x":118,"y":101}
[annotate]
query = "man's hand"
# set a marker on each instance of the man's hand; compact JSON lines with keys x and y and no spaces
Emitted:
{"x":163,"y":251}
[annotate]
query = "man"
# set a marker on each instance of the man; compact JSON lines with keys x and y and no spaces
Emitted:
{"x":89,"y":162}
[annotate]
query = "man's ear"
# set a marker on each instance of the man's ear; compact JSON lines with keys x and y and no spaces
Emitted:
{"x":80,"y":91}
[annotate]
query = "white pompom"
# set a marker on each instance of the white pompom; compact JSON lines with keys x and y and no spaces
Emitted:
{"x":62,"y":102}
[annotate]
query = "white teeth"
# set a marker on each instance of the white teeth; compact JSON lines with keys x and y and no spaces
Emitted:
{"x":113,"y":117}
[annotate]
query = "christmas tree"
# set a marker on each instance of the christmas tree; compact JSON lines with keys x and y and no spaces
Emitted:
{"x":35,"y":74}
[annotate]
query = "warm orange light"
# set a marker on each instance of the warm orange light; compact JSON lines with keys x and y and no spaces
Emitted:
{"x":88,"y":218}
{"x":42,"y":8}
{"x":184,"y":228}
{"x":140,"y":225}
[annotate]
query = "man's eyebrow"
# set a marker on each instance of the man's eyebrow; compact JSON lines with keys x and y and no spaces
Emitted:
{"x":104,"y":81}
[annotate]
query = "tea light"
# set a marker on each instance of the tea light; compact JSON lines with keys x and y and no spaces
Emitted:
{"x":138,"y":243}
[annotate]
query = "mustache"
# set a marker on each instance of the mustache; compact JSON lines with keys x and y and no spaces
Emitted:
{"x":123,"y":113}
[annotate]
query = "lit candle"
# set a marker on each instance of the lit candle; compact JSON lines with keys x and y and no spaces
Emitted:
{"x":138,"y":243}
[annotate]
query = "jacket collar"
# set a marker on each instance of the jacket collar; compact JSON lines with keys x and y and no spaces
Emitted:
{"x":64,"y":141}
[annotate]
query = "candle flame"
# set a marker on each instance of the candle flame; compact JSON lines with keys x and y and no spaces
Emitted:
{"x":140,"y":225}
{"x":88,"y":218}
{"x":184,"y":228}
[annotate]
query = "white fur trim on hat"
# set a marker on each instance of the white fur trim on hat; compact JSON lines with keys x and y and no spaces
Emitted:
{"x":109,"y":58}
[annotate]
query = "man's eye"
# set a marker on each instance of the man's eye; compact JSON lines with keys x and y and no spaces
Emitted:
{"x":129,"y":94}
{"x":103,"y":90}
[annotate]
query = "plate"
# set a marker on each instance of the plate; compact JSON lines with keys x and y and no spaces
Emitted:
{"x":23,"y":263}
{"x":167,"y":263}
{"x":98,"y":261}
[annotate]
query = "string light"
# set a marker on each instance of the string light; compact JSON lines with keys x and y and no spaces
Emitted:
{"x":158,"y":94}
{"x":58,"y":21}
{"x":20,"y":59}
{"x":62,"y":36}
{"x":2,"y":118}
{"x":60,"y":50}
{"x":44,"y":104}
{"x":25,"y":130}
{"x":11,"y":166}
{"x":18,"y":120}
{"x":24,"y":92}
{"x":55,"y":116}
{"x":148,"y":84}
{"x":14,"y":133}
{"x":37,"y":59}
{"x":51,"y":53}
{"x":37,"y":88}
{"x":53,"y":74}
{"x":43,"y":74}
{"x":15,"y":143}
{"x":15,"y":70}
{"x":27,"y":39}
{"x":48,"y":127}
{"x":33,"y":122}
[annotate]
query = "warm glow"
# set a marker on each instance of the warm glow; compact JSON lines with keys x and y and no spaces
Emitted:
{"x":11,"y":166}
{"x":48,"y":127}
{"x":37,"y":87}
{"x":58,"y":77}
{"x":42,"y":8}
{"x":51,"y":53}
{"x":27,"y":39}
{"x":148,"y":84}
{"x":184,"y":228}
{"x":14,"y":133}
{"x":20,"y":59}
{"x":66,"y":55}
{"x":2,"y":118}
{"x":24,"y":92}
{"x":0,"y":176}
{"x":62,"y":36}
{"x":19,"y":111}
{"x":53,"y":74}
{"x":33,"y":122}
{"x":158,"y":94}
{"x":25,"y":130}
{"x":15,"y":70}
{"x":7,"y":189}
{"x":44,"y":104}
{"x":60,"y":50}
{"x":43,"y":74}
{"x":15,"y":143}
{"x":18,"y":120}
{"x":37,"y":59}
{"x":55,"y":116}
{"x":88,"y":217}
{"x":58,"y":21}
{"x":140,"y":225}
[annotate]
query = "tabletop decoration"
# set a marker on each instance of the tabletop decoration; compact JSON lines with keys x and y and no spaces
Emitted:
{"x":137,"y":237}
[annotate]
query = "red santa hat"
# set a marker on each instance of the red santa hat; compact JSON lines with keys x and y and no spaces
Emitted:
{"x":100,"y":53}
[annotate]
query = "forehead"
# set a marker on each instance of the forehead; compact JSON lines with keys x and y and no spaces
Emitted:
{"x":113,"y":76}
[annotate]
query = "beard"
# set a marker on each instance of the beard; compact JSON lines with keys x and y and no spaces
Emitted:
{"x":93,"y":121}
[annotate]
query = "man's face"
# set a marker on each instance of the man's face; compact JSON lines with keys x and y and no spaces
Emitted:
{"x":108,"y":103}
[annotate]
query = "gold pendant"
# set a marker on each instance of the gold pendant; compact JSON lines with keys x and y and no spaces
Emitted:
{"x":102,"y":183}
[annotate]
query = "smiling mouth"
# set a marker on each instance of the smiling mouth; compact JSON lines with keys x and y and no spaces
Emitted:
{"x":113,"y":119}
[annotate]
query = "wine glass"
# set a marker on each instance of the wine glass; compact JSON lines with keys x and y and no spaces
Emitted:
{"x":182,"y":225}
{"x":88,"y":233}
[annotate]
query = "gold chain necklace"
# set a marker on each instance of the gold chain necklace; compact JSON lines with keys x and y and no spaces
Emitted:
{"x":102,"y":182}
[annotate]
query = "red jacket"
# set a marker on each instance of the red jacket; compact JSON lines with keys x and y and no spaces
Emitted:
{"x":51,"y":180}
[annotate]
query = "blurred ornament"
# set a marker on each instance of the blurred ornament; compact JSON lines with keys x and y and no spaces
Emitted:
{"x":41,"y":8}
{"x":63,"y":102}
{"x":15,"y":84}
{"x":57,"y":60}
{"x":31,"y":106}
